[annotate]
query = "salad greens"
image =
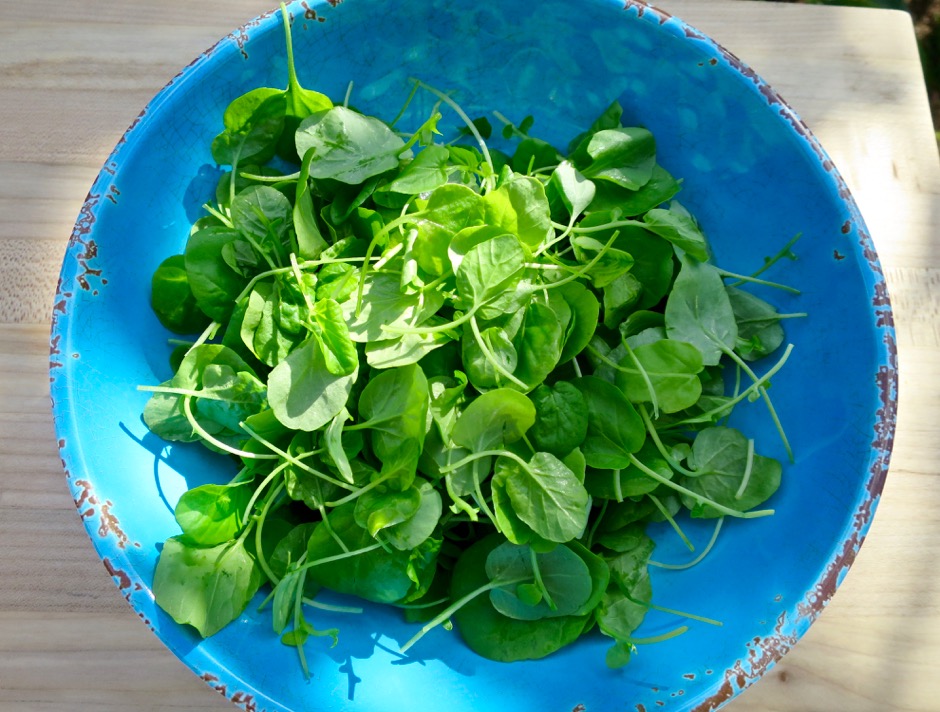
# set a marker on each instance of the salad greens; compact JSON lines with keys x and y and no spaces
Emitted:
{"x":455,"y":380}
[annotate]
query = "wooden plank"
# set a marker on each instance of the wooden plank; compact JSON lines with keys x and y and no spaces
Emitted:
{"x":73,"y":79}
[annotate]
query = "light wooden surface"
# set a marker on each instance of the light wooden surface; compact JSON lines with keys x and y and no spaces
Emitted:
{"x":73,"y":76}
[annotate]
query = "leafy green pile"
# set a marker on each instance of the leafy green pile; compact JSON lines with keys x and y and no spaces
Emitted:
{"x":457,"y":381}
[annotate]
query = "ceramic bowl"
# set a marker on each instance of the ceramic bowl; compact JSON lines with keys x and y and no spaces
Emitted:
{"x":753,"y":175}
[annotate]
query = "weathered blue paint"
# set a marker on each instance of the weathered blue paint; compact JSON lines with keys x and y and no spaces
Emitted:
{"x":754,"y":175}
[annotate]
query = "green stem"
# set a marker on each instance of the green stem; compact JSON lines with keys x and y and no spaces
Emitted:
{"x":763,"y":392}
{"x":577,"y":274}
{"x":218,"y":214}
{"x":485,"y":453}
{"x":259,"y":489}
{"x":601,"y":228}
{"x":489,"y":356}
{"x":205,"y":435}
{"x":784,"y":252}
{"x":754,"y":280}
{"x":646,"y":377}
{"x":292,"y":82}
{"x":259,"y":550}
{"x":330,"y":607}
{"x":296,"y":461}
{"x":672,"y":522}
{"x":775,"y":317}
{"x":697,"y":559}
{"x":466,"y":119}
{"x":404,"y":108}
{"x":667,"y":456}
{"x":701,"y":499}
{"x":454,"y":607}
{"x":537,"y":574}
{"x":480,"y":499}
{"x":339,"y":557}
{"x":577,"y":368}
{"x":299,"y":620}
{"x":419,"y":606}
{"x":597,"y":521}
{"x":660,"y":638}
{"x":433,"y":119}
{"x":287,"y":177}
{"x":460,"y":504}
{"x":329,"y":528}
{"x":359,"y":492}
{"x":433,"y":329}
{"x":170,"y":390}
{"x":747,"y":469}
{"x":753,"y":388}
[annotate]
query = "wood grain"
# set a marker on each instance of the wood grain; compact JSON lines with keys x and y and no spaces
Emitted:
{"x":74,"y":77}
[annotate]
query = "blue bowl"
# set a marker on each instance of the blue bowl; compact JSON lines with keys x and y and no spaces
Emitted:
{"x":753,"y":175}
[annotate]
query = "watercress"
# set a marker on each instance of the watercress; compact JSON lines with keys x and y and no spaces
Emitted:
{"x":453,"y":379}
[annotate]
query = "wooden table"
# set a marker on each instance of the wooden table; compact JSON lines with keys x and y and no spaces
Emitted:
{"x":74,"y":75}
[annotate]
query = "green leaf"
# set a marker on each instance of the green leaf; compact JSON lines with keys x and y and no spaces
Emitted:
{"x":699,"y":312}
{"x":310,"y":241}
{"x":538,"y":344}
{"x":426,"y":172}
{"x":212,"y":514}
{"x":585,"y":310}
{"x":230,"y":397}
{"x":613,"y":263}
{"x":520,"y":206}
{"x":405,"y":350}
{"x":759,"y":329}
{"x":608,"y":119}
{"x":575,"y":191}
{"x":333,"y":439}
{"x":164,"y":413}
{"x":547,"y":496}
{"x":349,"y":147}
{"x":384,"y":304}
{"x":261,"y":330}
{"x":494,"y":419}
{"x":562,"y":575}
{"x":449,"y":209}
{"x":303,"y":394}
{"x":493,"y":635}
{"x":377,"y":510}
{"x":532,"y":154}
{"x":488,"y":269}
{"x":414,"y":531}
{"x":206,"y":588}
{"x":394,"y":405}
{"x":630,"y":481}
{"x":172,"y":300}
{"x":253,"y":125}
{"x":671,"y":367}
{"x":480,"y":369}
{"x":625,"y":156}
{"x":329,"y":325}
{"x":720,"y":460}
{"x":660,"y":188}
{"x":561,"y":418}
{"x":262,"y":212}
{"x":615,"y":429}
{"x":379,"y":575}
{"x":676,"y":225}
{"x":215,"y":285}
